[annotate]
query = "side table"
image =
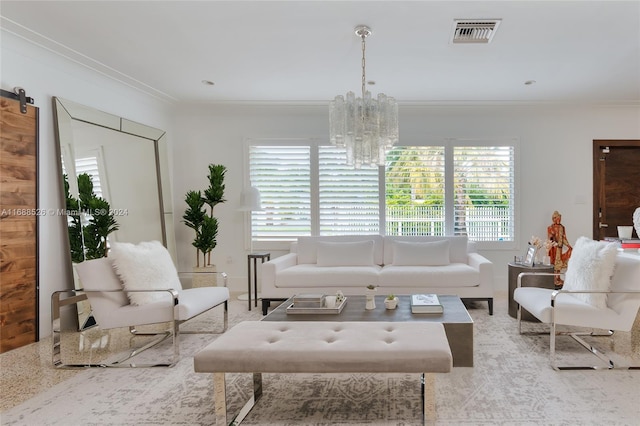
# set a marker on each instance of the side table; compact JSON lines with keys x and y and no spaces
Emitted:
{"x":255,"y":256}
{"x":543,"y":281}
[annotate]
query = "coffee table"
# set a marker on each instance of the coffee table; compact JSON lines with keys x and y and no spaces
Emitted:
{"x":458,"y":325}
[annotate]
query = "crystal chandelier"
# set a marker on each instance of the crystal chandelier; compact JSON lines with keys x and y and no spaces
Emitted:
{"x":366,"y":127}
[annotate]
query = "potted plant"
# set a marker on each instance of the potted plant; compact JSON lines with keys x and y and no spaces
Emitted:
{"x":391,"y":302}
{"x":204,"y":224}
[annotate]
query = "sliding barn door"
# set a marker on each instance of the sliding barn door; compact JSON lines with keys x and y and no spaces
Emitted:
{"x":18,"y":223}
{"x":616,"y":185}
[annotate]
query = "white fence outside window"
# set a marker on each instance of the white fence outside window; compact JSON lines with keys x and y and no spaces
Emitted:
{"x":482,"y":223}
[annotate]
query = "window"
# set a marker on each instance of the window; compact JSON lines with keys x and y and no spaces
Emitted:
{"x":347,"y":198}
{"x":454,"y":187}
{"x":483,"y":180}
{"x":415,"y":191}
{"x":282,"y":173}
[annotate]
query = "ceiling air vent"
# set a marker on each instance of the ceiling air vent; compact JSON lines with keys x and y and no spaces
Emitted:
{"x":474,"y":30}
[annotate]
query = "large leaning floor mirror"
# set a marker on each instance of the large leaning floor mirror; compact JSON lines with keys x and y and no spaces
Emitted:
{"x":119,"y":169}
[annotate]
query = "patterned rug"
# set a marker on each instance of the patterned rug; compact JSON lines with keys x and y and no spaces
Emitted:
{"x":511,"y":384}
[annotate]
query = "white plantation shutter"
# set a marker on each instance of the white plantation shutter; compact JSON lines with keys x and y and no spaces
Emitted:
{"x":415,"y":190}
{"x":282,"y":175}
{"x":460,"y":187}
{"x":484,"y":192}
{"x":348,"y":198}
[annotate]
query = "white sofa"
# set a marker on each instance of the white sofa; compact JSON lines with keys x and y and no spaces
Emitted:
{"x":398,"y":265}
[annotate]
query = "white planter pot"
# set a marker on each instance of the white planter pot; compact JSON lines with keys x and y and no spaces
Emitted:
{"x":391,"y":303}
{"x":204,"y":276}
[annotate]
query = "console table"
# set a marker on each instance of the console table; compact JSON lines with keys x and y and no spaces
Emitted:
{"x":542,"y":281}
{"x":264,"y":257}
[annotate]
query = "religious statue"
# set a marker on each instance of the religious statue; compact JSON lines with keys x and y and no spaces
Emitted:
{"x":560,"y":250}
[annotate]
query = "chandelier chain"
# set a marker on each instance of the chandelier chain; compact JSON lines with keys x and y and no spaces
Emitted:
{"x":364,"y":63}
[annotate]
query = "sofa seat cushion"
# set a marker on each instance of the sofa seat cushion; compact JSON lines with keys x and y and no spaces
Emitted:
{"x":311,"y":275}
{"x":452,"y":275}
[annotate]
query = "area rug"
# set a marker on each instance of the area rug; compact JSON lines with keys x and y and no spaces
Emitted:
{"x":510,"y":384}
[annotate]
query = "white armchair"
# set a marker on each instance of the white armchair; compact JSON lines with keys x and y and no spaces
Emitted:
{"x":111,"y":308}
{"x":574,"y":304}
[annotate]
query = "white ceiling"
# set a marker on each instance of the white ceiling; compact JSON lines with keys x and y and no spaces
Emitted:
{"x":306,"y":51}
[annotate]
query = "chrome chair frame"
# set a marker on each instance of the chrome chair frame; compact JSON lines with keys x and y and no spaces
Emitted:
{"x":553,"y":331}
{"x":79,"y":295}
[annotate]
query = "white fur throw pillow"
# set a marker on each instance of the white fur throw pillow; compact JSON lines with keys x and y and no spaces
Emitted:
{"x":144,"y":266}
{"x":590,"y":268}
{"x":434,"y":253}
{"x":357,"y":253}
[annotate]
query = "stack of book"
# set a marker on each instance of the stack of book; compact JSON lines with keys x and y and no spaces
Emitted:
{"x":426,"y":304}
{"x":631,"y":243}
{"x":625,"y":243}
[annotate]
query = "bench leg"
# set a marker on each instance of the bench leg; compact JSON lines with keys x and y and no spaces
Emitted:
{"x":220,"y":399}
{"x":428,"y":396}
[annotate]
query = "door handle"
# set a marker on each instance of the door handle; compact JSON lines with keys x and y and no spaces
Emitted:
{"x":603,"y":225}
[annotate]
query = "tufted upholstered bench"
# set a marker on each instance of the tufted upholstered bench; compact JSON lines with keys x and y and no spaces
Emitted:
{"x":322,"y":347}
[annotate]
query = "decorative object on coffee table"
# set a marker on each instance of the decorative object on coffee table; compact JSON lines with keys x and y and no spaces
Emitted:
{"x":308,"y":300}
{"x":426,"y":304}
{"x":636,"y":221}
{"x":391,"y":302}
{"x":370,"y":292}
{"x":330,"y":301}
{"x":319,"y":309}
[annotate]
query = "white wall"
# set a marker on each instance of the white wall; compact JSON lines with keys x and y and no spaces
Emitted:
{"x":555,"y":164}
{"x":44,"y":75}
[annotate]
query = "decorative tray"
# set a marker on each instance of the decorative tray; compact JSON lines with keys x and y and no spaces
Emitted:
{"x":293,"y":310}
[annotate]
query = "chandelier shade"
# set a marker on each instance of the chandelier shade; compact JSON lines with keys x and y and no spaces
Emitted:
{"x":366,"y":127}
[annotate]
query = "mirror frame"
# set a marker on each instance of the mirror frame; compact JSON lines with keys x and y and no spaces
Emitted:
{"x":65,"y":112}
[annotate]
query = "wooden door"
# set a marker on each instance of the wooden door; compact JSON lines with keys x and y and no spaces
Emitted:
{"x":616,"y":185}
{"x":18,"y":223}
